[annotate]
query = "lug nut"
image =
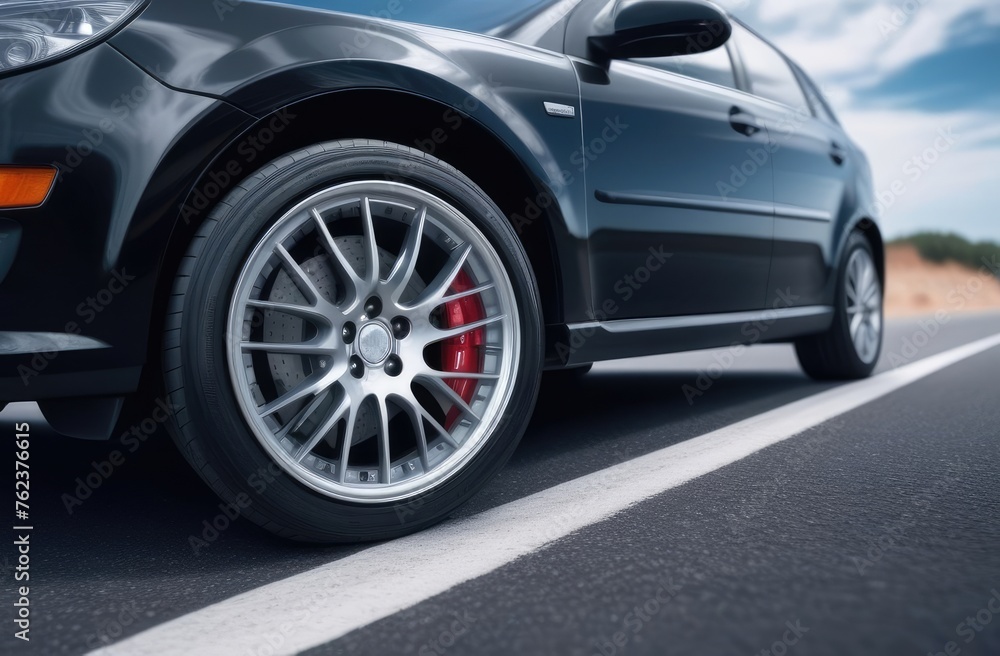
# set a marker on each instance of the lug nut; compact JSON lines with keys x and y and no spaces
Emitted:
{"x":394,"y":366}
{"x":373,"y":307}
{"x":400,"y":327}
{"x":357,"y":367}
{"x":350,"y":332}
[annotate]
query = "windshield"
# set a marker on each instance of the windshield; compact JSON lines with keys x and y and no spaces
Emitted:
{"x":495,"y":18}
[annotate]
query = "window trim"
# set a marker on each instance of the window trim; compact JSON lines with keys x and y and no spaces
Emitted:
{"x":807,"y":83}
{"x":732,"y":66}
{"x":793,"y":67}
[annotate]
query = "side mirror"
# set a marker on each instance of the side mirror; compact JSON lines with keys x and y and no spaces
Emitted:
{"x":662,"y":28}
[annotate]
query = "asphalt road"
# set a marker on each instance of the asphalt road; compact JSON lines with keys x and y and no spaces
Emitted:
{"x":877,"y":532}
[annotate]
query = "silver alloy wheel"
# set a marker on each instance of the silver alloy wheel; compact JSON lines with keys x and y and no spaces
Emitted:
{"x":864,"y":305}
{"x":333,"y":335}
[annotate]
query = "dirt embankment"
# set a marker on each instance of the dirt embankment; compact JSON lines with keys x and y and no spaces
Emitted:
{"x":916,"y":286}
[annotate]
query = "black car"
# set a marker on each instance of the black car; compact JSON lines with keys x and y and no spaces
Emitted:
{"x":334,"y":251}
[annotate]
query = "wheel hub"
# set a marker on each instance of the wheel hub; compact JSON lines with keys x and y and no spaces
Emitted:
{"x":374,"y":343}
{"x":864,"y":306}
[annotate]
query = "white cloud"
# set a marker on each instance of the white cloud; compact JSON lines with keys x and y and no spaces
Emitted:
{"x":965,"y":169}
{"x":860,"y":40}
{"x":852,"y":46}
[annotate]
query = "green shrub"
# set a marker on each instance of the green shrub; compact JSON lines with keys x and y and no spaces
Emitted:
{"x":944,"y":247}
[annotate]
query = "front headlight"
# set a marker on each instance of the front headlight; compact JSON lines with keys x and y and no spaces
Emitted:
{"x":32,"y":31}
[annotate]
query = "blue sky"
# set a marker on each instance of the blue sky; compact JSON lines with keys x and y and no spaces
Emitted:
{"x":899,"y":73}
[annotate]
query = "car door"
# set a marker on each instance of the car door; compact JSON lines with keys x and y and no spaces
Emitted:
{"x":812,"y":166}
{"x":680,"y":188}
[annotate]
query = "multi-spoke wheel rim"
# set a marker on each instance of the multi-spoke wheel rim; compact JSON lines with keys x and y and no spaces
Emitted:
{"x":864,"y":306}
{"x":333,"y":337}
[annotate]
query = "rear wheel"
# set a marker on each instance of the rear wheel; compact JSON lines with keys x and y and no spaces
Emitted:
{"x":376,"y":344}
{"x":851,"y":347}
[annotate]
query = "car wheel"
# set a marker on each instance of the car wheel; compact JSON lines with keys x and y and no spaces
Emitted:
{"x":850,"y":349}
{"x":354,"y":343}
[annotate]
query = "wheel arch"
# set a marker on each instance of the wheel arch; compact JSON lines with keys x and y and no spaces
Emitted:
{"x":870,"y":230}
{"x":365,"y":113}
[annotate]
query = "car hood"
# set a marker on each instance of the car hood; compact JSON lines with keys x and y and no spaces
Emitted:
{"x":492,"y":18}
{"x":219,"y":48}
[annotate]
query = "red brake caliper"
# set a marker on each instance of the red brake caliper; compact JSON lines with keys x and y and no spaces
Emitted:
{"x":461,"y":354}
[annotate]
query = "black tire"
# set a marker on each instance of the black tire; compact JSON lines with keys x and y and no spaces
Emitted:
{"x":832,"y":355}
{"x":209,"y":428}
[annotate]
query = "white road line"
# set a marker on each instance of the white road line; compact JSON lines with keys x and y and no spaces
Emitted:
{"x":330,"y":601}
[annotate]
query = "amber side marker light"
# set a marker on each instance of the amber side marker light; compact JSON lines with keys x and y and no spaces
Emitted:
{"x":25,"y":187}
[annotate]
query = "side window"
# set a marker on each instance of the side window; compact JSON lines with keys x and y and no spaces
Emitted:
{"x":770,"y":75}
{"x":819,"y":103}
{"x":714,"y":66}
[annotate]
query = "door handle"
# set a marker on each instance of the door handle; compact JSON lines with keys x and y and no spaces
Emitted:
{"x":838,"y":154}
{"x":743,"y":122}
